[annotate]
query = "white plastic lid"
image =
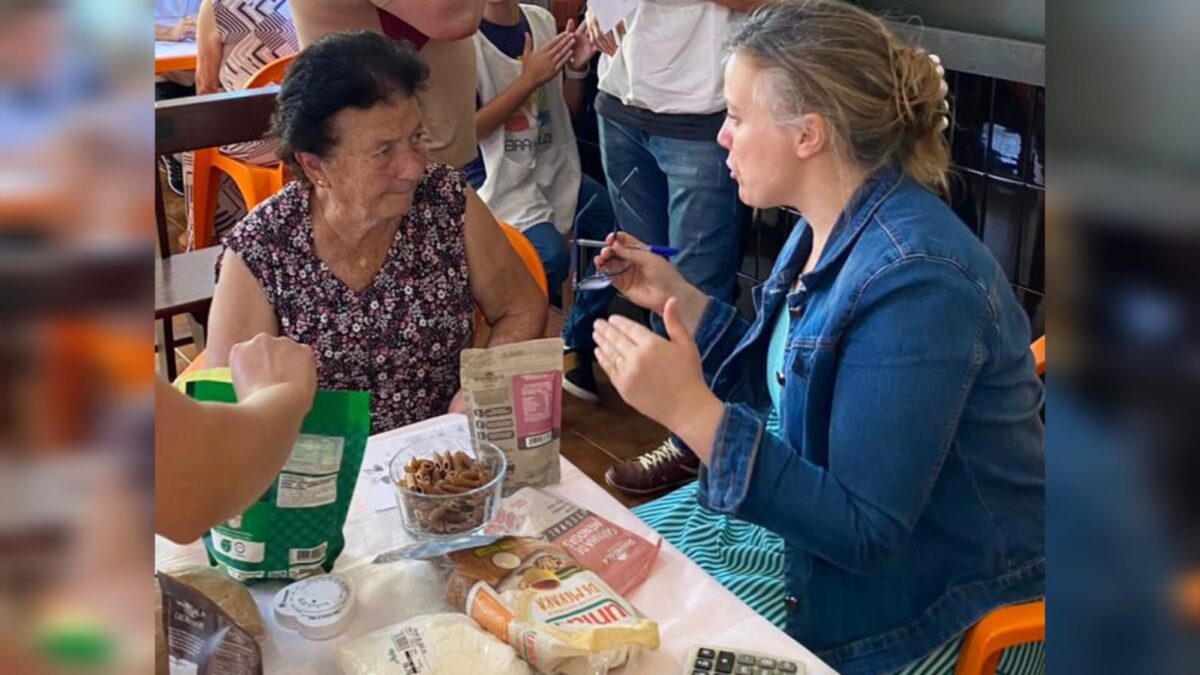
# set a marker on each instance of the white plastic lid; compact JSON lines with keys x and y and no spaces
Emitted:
{"x":317,"y":607}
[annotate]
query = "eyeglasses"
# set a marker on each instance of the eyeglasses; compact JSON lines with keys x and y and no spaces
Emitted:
{"x":600,"y":279}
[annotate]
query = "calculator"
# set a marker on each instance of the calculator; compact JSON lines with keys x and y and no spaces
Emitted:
{"x":712,"y":660}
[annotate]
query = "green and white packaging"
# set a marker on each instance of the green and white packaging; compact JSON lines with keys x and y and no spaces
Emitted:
{"x":295,"y":529}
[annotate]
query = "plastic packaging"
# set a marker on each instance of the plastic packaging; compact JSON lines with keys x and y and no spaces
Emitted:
{"x":295,"y":529}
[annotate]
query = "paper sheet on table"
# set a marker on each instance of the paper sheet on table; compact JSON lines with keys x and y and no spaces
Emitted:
{"x":611,"y":12}
{"x":374,"y":480}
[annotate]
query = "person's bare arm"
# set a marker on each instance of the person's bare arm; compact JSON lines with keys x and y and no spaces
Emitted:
{"x":741,"y":5}
{"x":240,"y":310}
{"x":184,"y":30}
{"x":496,"y":111}
{"x":209,"y":50}
{"x":212,"y":460}
{"x":573,"y":93}
{"x":539,"y":66}
{"x":513,"y":305}
{"x":438,"y":19}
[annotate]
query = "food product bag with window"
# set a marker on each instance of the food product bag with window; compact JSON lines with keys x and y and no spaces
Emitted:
{"x":514,"y":399}
{"x":559,"y":617}
{"x":621,"y":558}
{"x":295,"y":529}
{"x":198,"y":636}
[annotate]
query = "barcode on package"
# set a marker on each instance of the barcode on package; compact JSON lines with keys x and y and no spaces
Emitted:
{"x":405,"y":642}
{"x":540,"y":439}
{"x":308,"y":555}
{"x":412,"y":651}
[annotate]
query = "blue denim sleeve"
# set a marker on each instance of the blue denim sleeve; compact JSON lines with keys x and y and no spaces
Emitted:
{"x":720,"y":330}
{"x":907,"y":364}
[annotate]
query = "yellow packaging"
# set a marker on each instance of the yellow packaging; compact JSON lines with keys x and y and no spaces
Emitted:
{"x":560,"y":618}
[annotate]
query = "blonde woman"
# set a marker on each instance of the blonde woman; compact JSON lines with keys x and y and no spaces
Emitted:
{"x":874,"y":432}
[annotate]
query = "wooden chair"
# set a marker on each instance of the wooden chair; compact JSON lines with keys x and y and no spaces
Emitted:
{"x":183,"y":284}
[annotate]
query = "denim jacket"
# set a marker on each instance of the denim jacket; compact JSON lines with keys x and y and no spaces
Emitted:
{"x":908,"y":482}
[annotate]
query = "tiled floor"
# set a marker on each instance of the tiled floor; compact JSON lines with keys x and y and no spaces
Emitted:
{"x":594,"y":436}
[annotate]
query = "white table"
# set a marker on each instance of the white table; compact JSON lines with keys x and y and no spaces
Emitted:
{"x":688,"y":604}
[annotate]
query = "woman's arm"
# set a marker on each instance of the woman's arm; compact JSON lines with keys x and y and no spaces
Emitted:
{"x":437,"y":19}
{"x":184,"y":30}
{"x":212,"y":460}
{"x":209,"y":50}
{"x":514,"y":306}
{"x":909,"y":357}
{"x":240,"y":310}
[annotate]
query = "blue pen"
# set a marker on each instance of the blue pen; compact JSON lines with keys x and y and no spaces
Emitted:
{"x":664,"y":251}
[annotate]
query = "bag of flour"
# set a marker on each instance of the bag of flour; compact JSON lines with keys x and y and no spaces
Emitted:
{"x":561,"y":618}
{"x":433,"y":644}
{"x":514,"y":399}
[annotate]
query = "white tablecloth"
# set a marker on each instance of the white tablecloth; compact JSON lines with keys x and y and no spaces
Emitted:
{"x":688,"y":604}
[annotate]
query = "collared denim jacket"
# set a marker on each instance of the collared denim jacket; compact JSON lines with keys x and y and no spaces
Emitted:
{"x":909,"y":480}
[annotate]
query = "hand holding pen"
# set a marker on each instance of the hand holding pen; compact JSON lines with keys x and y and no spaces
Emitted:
{"x":665,"y":251}
{"x":642,"y":275}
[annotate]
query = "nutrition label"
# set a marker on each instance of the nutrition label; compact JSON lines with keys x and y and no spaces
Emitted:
{"x":301,"y":492}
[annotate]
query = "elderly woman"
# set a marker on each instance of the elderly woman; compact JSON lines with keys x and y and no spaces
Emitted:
{"x":879,"y":416}
{"x":374,"y":257}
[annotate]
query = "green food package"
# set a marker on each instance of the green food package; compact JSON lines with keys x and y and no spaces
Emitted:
{"x":295,"y":529}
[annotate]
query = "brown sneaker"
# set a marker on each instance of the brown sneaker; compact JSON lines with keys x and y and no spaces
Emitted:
{"x":665,"y":467}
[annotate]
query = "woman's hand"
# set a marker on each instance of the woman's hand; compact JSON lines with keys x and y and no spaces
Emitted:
{"x":645,"y":278}
{"x":583,"y":49}
{"x":265,"y":361}
{"x":605,"y":42}
{"x":661,"y":378}
{"x":184,"y":30}
{"x":542,"y":65}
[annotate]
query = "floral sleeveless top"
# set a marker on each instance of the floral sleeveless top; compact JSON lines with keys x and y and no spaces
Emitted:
{"x":399,"y":337}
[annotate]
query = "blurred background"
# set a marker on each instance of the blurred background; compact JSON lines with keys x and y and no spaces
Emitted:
{"x":76,"y":339}
{"x":1102,"y":242}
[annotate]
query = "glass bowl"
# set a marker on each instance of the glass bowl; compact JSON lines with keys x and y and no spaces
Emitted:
{"x":448,"y":490}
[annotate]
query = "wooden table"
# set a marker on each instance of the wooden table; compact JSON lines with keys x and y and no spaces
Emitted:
{"x":171,"y":56}
{"x":183,"y":284}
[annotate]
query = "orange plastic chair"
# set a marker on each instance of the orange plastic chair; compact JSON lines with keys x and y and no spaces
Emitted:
{"x":520,"y":244}
{"x":256,"y":183}
{"x":1039,"y":355}
{"x":528,"y":255}
{"x":1001,"y":629}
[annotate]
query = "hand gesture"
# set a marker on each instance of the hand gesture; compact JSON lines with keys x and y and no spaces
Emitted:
{"x":542,"y":65}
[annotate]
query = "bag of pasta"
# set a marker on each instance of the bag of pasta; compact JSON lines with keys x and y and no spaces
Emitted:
{"x":514,"y":399}
{"x":561,"y":618}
